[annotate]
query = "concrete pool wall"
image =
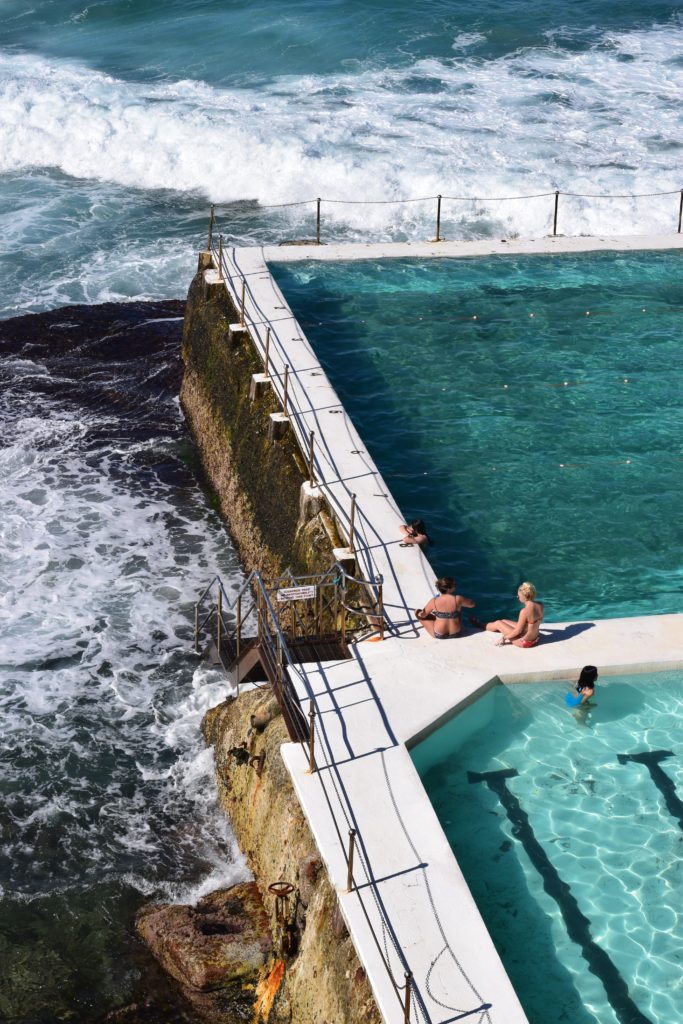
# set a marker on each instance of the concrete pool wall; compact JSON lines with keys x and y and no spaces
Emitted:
{"x":393,"y":693}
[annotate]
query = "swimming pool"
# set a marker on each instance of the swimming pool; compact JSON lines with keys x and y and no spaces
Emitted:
{"x":527,"y":407}
{"x":568,"y":827}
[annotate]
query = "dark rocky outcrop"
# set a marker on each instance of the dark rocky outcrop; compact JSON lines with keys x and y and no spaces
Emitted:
{"x":218,"y":950}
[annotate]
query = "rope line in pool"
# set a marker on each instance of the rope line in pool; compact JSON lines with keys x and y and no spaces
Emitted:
{"x":577,"y":924}
{"x":651,"y":760}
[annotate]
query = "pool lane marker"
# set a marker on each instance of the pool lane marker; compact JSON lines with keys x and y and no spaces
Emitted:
{"x":651,"y":759}
{"x":577,"y":925}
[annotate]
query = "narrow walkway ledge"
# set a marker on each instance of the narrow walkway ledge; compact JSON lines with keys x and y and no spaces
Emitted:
{"x":411,"y":908}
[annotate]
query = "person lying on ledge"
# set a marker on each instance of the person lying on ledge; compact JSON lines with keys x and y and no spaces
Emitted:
{"x":442,"y":616}
{"x":525,"y":631}
{"x":414,"y":533}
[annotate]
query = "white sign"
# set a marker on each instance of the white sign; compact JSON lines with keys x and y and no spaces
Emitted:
{"x":296,"y":593}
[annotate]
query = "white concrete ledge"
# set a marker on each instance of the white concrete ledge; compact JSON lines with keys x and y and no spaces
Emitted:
{"x":393,"y":693}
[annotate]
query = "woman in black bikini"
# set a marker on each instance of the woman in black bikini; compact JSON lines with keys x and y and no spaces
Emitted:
{"x":442,"y":616}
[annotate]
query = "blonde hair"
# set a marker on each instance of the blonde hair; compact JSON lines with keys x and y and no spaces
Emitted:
{"x":527,"y":590}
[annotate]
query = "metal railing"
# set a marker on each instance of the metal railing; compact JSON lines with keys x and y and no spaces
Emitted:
{"x":441,"y":199}
{"x":311,"y":734}
{"x":333,"y":592}
{"x":361,"y":535}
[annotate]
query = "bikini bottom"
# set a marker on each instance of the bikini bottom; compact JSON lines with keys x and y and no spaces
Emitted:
{"x":529,"y":643}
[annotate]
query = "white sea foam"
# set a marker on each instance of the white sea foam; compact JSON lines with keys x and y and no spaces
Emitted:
{"x":524,"y":123}
{"x":97,"y":581}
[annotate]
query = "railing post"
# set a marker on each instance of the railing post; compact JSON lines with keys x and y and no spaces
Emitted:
{"x":196,"y":629}
{"x":311,"y":739}
{"x":557,"y":200}
{"x":352,"y":523}
{"x":343,"y":615}
{"x":244,"y":289}
{"x":220,"y":619}
{"x":220,"y":257}
{"x":239,"y":624}
{"x":267,"y":355}
{"x":259,"y":615}
{"x":680,"y":212}
{"x":284,"y":397}
{"x":211,"y":221}
{"x":311,"y":459}
{"x":438,"y":219}
{"x":317,"y":221}
{"x":406,"y":1005}
{"x":352,"y":847}
{"x":380,"y":605}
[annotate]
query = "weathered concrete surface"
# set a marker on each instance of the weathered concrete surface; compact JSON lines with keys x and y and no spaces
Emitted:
{"x":324,"y":981}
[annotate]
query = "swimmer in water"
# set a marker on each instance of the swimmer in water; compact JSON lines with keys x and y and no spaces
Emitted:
{"x":585,"y":687}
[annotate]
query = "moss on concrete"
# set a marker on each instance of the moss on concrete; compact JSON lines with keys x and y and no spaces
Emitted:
{"x":257,"y":482}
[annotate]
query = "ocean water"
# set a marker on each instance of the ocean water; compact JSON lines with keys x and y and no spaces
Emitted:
{"x":573,"y":853}
{"x":107,"y":794}
{"x":527,"y":407}
{"x":122,"y":120}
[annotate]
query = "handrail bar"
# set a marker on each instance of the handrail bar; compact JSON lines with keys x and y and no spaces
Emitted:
{"x":294,"y":702}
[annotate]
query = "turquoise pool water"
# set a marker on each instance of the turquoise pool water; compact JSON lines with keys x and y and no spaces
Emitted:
{"x":537,"y":441}
{"x":573,"y":855}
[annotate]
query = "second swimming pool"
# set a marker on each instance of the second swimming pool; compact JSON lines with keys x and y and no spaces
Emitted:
{"x":568,"y":827}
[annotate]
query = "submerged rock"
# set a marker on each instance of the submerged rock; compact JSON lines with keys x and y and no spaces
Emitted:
{"x":221,"y":943}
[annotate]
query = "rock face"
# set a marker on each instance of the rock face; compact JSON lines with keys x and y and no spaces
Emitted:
{"x":322,"y":982}
{"x":257,"y":483}
{"x":222,"y":943}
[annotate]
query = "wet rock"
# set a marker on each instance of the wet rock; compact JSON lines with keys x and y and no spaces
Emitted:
{"x":222,"y":941}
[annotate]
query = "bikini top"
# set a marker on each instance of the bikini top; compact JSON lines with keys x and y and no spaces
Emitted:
{"x":444,"y":615}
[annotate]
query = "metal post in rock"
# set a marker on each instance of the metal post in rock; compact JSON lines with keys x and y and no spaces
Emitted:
{"x":212,"y":218}
{"x":680,"y":212}
{"x":557,"y":200}
{"x":317,"y":220}
{"x":438,"y":218}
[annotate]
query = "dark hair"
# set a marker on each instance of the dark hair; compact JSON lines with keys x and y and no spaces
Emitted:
{"x":444,"y":584}
{"x":589,"y":674}
{"x":417,"y":526}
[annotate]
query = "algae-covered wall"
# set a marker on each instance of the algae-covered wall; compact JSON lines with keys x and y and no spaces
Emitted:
{"x":323,"y":983}
{"x":257,"y":481}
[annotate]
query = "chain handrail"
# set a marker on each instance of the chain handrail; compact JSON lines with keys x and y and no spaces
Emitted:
{"x":275,"y":644}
